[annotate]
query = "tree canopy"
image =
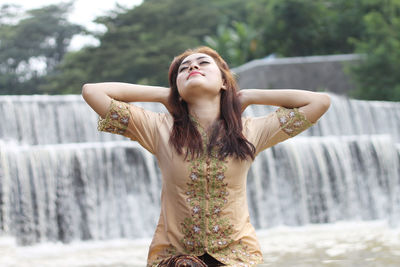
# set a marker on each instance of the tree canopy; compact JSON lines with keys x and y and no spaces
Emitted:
{"x":32,"y":46}
{"x":378,"y":76}
{"x":139,"y":43}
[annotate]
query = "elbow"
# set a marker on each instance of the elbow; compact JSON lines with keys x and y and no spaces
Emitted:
{"x":324,"y":101}
{"x":321,"y":104}
{"x":86,"y":90}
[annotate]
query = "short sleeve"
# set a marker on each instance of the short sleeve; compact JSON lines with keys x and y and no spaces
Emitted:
{"x":276,"y":127}
{"x":133,"y":122}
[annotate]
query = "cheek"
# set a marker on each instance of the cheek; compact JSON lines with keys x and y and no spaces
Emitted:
{"x":218,"y":81}
{"x":179,"y":84}
{"x":218,"y":75}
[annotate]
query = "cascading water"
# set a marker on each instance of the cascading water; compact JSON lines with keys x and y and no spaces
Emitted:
{"x":44,"y":119}
{"x":60,"y":179}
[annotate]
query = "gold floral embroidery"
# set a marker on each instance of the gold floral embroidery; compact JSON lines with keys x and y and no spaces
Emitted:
{"x":117,"y":118}
{"x":292,"y":121}
{"x":205,"y":229}
{"x":193,"y":227}
{"x":238,"y":255}
{"x":219,"y":229}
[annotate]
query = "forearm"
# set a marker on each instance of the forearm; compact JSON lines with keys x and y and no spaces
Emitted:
{"x":98,"y":95}
{"x":313,"y":104}
{"x":128,"y":92}
{"x":288,"y":98}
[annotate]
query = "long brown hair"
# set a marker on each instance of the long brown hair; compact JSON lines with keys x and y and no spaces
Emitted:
{"x":226,"y":132}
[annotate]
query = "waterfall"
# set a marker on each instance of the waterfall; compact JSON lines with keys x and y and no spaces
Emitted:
{"x":44,"y":119}
{"x":79,"y":191}
{"x":326,"y":179}
{"x":61,"y":179}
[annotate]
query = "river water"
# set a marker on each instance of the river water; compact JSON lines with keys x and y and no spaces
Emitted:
{"x":355,"y":244}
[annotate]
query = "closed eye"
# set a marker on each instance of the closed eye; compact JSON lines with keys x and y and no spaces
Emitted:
{"x":201,"y":63}
{"x":183,"y":68}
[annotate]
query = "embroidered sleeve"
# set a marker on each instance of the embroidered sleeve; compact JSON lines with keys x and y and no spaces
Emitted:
{"x":116,"y":120}
{"x":276,"y":127}
{"x":133,"y":122}
{"x":292,"y":121}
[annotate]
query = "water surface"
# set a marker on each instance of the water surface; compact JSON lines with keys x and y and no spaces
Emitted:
{"x":345,"y":244}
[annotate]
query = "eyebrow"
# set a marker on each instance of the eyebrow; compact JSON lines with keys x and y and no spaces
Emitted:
{"x":188,"y":61}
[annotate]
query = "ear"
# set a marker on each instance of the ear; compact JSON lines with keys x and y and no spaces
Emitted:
{"x":224,"y":85}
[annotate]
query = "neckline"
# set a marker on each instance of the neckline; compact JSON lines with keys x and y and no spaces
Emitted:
{"x":199,"y":127}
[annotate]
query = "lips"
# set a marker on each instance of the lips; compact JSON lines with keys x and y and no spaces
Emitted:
{"x":193,"y":73}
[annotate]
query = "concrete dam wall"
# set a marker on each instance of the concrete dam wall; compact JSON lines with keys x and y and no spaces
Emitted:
{"x":316,"y":73}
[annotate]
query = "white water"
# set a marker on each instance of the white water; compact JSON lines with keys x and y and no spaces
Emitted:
{"x":356,"y":244}
{"x":45,"y":119}
{"x":111,"y":190}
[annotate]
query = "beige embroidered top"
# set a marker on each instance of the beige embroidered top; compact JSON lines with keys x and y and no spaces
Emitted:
{"x":203,"y":201}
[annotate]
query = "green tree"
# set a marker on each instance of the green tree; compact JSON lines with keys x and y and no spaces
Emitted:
{"x":377,"y":76}
{"x":310,"y":27}
{"x":290,"y":27}
{"x":346,"y":22}
{"x":140,"y":43}
{"x":39,"y":37}
{"x":237,"y":44}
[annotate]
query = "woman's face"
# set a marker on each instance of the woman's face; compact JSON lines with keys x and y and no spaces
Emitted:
{"x":198,"y":75}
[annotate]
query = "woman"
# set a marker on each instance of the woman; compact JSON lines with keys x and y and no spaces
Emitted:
{"x":204,"y":149}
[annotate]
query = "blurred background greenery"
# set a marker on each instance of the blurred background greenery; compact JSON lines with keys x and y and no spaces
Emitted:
{"x":139,"y":43}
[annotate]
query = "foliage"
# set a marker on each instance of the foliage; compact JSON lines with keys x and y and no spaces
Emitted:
{"x":139,"y":43}
{"x":39,"y":37}
{"x":291,"y":27}
{"x":377,"y":76}
{"x":236,"y":44}
{"x":312,"y":27}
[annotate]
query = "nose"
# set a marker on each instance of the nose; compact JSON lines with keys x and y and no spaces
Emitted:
{"x":193,"y":66}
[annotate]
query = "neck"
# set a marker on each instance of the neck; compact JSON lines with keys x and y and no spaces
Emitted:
{"x":206,"y":112}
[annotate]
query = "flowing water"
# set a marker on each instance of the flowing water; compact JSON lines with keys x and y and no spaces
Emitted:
{"x":71,"y":196}
{"x":343,"y":244}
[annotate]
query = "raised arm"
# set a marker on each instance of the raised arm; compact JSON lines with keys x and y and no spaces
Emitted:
{"x":98,"y":95}
{"x":312,"y":104}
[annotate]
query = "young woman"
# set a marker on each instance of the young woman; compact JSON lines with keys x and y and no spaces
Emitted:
{"x":204,"y":149}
